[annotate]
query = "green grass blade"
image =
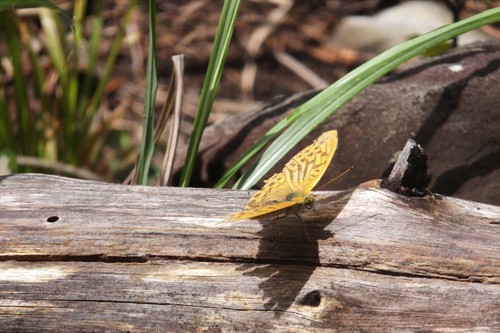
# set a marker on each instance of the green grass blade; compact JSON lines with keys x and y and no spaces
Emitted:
{"x":147,"y":142}
{"x":88,"y":112}
{"x":210,"y":86}
{"x":55,"y":42}
{"x":72,"y":53}
{"x":9,"y":31}
{"x":305,"y":118}
{"x":92,"y":57}
{"x":251,"y":153}
{"x":110,"y":61}
{"x":6,"y":134}
{"x":10,"y":4}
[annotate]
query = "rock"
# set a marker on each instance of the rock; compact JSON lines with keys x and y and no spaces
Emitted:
{"x":448,"y":104}
{"x":395,"y":25}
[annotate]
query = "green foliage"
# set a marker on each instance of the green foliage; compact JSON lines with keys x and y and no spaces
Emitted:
{"x":52,"y":111}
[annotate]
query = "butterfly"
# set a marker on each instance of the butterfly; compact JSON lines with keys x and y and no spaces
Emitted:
{"x":292,"y":186}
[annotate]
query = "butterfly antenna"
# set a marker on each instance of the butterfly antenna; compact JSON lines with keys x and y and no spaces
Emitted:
{"x":334,"y":179}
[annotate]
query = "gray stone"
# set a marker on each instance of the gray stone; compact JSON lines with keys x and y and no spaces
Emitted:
{"x":449,"y":104}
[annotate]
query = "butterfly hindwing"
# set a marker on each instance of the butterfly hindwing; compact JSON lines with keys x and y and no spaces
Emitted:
{"x":251,"y":213}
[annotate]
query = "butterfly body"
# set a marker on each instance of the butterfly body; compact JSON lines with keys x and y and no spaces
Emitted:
{"x":296,"y":197}
{"x":292,"y":186}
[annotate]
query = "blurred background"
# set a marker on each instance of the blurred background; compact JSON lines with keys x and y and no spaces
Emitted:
{"x":52,"y":64}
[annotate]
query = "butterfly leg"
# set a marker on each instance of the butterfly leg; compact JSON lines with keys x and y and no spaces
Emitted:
{"x":428,"y":192}
{"x":305,"y":230}
{"x":311,"y":206}
{"x":275,"y":230}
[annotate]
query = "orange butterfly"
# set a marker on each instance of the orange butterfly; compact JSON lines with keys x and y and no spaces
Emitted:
{"x":292,"y":186}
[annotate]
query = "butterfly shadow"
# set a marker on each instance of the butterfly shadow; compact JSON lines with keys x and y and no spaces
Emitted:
{"x":288,"y":251}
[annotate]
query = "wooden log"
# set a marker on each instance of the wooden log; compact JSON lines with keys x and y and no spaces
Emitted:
{"x":85,"y":256}
{"x":409,"y":174}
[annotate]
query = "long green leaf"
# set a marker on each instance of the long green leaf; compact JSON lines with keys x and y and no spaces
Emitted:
{"x":147,"y":142}
{"x":305,"y":118}
{"x":211,"y":84}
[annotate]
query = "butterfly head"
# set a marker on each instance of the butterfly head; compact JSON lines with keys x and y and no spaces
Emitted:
{"x":309,"y":200}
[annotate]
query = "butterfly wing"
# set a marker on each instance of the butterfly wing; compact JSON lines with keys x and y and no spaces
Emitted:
{"x":272,"y":197}
{"x":293,"y":184}
{"x":256,"y":212}
{"x":306,"y":168}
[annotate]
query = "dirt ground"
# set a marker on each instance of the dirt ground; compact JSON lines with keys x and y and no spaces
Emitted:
{"x":266,"y":33}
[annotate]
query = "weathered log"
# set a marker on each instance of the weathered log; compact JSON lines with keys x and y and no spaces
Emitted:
{"x":88,"y":256}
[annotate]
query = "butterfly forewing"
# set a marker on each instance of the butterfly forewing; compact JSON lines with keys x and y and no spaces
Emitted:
{"x":306,"y":168}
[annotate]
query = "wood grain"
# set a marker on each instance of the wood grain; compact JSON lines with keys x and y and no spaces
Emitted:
{"x":142,"y":259}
